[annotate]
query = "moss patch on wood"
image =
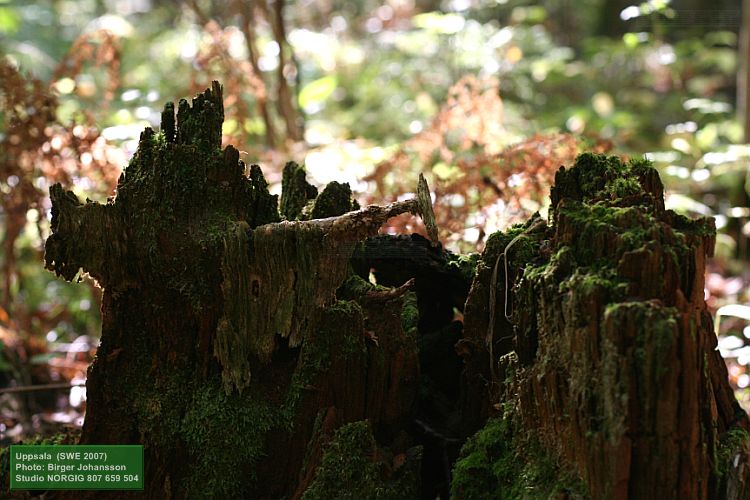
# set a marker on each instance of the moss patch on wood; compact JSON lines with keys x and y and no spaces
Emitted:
{"x":503,"y":462}
{"x":353,"y":467}
{"x":336,"y":199}
{"x":295,"y":191}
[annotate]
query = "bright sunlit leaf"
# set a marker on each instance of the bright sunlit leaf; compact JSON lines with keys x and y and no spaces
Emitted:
{"x":65,"y":85}
{"x":603,"y":103}
{"x":9,"y":20}
{"x":534,"y":14}
{"x":681,"y":145}
{"x":446,"y":24}
{"x":734,"y":310}
{"x":684,"y":204}
{"x":229,"y":126}
{"x":317,"y":91}
{"x":514,"y":54}
{"x":446,"y":172}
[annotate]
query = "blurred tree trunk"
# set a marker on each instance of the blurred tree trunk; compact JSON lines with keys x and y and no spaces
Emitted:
{"x":743,"y":75}
{"x":287,"y":64}
{"x":610,"y":24}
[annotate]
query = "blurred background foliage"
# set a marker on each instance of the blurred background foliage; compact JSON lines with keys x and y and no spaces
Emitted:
{"x":486,"y":97}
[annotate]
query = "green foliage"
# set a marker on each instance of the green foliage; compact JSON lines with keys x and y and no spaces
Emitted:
{"x":465,"y":264}
{"x":9,"y":21}
{"x":318,"y":91}
{"x":733,"y":442}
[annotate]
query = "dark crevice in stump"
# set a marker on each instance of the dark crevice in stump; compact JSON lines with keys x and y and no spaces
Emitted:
{"x":441,"y":284}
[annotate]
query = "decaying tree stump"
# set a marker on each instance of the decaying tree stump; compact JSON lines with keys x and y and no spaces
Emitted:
{"x":225,"y":345}
{"x":243,"y":348}
{"x":605,"y":376}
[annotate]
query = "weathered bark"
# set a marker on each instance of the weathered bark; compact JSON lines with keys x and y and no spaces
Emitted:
{"x":224,"y":336}
{"x":605,"y":377}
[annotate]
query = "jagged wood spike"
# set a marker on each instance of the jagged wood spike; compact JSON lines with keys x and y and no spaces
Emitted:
{"x":167,"y":122}
{"x":425,"y":208}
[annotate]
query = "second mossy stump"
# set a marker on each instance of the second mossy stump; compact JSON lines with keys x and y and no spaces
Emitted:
{"x":600,"y":351}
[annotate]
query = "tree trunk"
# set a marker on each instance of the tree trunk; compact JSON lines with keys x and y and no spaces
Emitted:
{"x":743,"y":72}
{"x":252,"y":360}
{"x":605,"y":373}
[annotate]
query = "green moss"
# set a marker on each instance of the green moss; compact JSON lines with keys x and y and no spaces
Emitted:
{"x":178,"y":178}
{"x":518,"y":247}
{"x":225,"y":435}
{"x":599,"y":177}
{"x":464,"y":264}
{"x":410,"y":313}
{"x":656,"y":332}
{"x":596,"y":171}
{"x":733,"y":442}
{"x":605,"y":233}
{"x":295,"y":191}
{"x":339,"y":335}
{"x":65,"y":437}
{"x":213,"y":431}
{"x":351,"y":469}
{"x":496,"y":463}
{"x":591,"y":281}
{"x":355,"y":287}
{"x":235,"y":337}
{"x":576,"y":297}
{"x":336,"y":199}
{"x":704,"y":226}
{"x":622,"y":187}
{"x":497,"y":242}
{"x":647,"y":174}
